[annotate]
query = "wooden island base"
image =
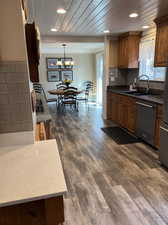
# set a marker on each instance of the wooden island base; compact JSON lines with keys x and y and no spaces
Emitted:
{"x":41,"y":212}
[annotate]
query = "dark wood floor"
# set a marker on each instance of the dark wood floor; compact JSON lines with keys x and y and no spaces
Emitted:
{"x":108,"y":183}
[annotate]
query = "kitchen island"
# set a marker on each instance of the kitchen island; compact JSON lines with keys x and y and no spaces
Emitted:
{"x":32,"y":185}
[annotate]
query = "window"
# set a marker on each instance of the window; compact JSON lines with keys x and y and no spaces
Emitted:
{"x":147,"y":51}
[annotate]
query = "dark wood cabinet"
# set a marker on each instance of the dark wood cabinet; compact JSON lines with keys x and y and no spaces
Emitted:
{"x":41,"y":212}
{"x":127,"y":113}
{"x":112,"y":106}
{"x":128,"y":52}
{"x":32,"y":42}
{"x":115,"y":107}
{"x":109,"y":106}
{"x":159,"y":117}
{"x":123,"y":58}
{"x":161,"y":46}
{"x":131,"y":115}
{"x":122,"y":110}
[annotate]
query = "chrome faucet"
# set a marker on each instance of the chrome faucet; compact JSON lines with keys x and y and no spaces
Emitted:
{"x":144,"y":75}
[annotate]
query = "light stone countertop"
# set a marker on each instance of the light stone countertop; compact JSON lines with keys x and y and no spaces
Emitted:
{"x":31,"y":172}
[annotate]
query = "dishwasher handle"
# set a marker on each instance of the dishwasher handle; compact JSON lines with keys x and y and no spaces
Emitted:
{"x":145,"y":105}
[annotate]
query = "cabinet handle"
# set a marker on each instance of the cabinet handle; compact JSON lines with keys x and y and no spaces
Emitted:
{"x":164,"y":129}
{"x":139,"y":103}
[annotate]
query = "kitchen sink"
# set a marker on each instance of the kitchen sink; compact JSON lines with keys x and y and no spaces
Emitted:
{"x":136,"y":93}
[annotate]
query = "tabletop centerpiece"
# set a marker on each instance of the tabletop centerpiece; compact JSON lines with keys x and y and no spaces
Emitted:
{"x":67,"y":82}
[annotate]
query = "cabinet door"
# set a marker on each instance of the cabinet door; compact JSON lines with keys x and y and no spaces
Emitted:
{"x":123,"y":53}
{"x":131,"y":120}
{"x":112,"y":107}
{"x":161,"y":49}
{"x":129,"y":50}
{"x":115,"y":108}
{"x":133,"y":53}
{"x":109,"y":106}
{"x":159,"y":118}
{"x":120,"y":54}
{"x":122,"y":112}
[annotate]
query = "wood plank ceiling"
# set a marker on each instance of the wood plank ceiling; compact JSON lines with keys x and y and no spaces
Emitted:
{"x":92,"y":17}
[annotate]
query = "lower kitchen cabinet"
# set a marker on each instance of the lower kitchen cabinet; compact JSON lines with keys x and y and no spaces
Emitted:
{"x":159,"y":117}
{"x":123,"y":111}
{"x":41,"y":212}
{"x":112,"y":104}
{"x":131,"y":115}
{"x":109,"y":106}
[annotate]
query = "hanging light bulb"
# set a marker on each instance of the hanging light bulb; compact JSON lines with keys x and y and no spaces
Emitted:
{"x":59,"y":63}
{"x":67,"y":63}
{"x":72,"y":63}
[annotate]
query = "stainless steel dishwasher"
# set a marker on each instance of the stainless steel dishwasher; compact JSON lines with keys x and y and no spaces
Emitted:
{"x":146,"y":118}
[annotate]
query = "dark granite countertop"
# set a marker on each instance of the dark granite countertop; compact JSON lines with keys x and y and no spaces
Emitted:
{"x":153,"y":98}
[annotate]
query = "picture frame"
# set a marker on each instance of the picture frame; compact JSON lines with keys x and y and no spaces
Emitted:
{"x":52,"y":63}
{"x":66,"y":74}
{"x":53,"y":75}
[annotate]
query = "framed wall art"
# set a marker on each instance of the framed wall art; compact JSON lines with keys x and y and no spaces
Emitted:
{"x":52,"y":63}
{"x":53,"y":76}
{"x":66,"y":74}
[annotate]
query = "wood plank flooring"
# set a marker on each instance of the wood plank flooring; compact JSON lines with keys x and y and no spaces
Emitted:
{"x":108,"y":184}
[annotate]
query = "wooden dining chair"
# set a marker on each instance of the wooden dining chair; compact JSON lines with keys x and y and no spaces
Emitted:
{"x":70,"y":98}
{"x":71,"y":88}
{"x":61,"y":86}
{"x":88,"y":86}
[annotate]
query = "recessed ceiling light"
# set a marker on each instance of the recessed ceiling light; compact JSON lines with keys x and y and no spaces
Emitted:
{"x":145,"y":27}
{"x":133,"y":15}
{"x":106,"y":31}
{"x":61,"y":11}
{"x":54,"y":29}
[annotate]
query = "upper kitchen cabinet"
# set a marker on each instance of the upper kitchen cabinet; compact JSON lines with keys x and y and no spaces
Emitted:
{"x":128,"y":54}
{"x":33,"y":50}
{"x":161,"y":47}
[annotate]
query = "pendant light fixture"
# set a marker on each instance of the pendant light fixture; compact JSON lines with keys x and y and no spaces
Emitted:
{"x":65,"y":62}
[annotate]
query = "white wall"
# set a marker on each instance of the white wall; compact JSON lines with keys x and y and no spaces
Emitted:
{"x":14,"y":71}
{"x":106,"y":74}
{"x":12,"y":39}
{"x":84,"y":69}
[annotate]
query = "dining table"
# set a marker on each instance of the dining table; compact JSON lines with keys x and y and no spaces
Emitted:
{"x":61,"y":92}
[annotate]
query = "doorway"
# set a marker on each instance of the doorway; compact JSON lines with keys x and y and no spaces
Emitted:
{"x":99,"y":77}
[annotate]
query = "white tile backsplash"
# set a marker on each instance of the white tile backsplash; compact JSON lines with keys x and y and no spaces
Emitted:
{"x":15,"y":103}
